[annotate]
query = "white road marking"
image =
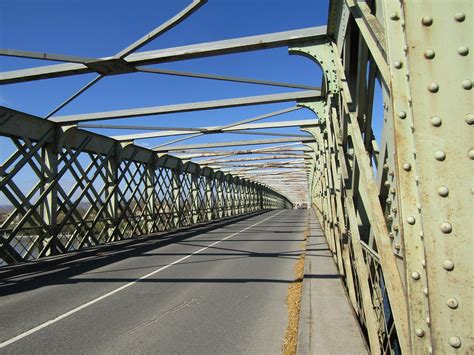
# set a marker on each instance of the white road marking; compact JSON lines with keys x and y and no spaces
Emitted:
{"x":121,"y":288}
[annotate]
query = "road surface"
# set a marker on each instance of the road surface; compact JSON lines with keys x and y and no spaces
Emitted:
{"x":219,"y":288}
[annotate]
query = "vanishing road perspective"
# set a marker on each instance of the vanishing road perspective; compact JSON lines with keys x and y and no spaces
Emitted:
{"x":236,"y":177}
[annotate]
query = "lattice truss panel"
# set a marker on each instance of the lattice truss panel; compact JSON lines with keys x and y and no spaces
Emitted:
{"x":66,"y":196}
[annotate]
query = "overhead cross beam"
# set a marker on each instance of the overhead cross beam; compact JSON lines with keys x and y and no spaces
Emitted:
{"x":188,"y":107}
{"x":233,"y":144}
{"x":117,"y":66}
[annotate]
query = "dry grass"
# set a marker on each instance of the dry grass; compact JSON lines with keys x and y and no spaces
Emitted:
{"x":293,"y":302}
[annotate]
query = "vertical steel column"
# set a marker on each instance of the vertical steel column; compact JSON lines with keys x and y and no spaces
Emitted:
{"x":113,"y":163}
{"x":49,"y":208}
{"x":150,"y":195}
{"x":433,"y":125}
{"x":177,"y":207}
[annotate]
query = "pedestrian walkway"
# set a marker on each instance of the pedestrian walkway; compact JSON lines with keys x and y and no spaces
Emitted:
{"x":327,"y":322}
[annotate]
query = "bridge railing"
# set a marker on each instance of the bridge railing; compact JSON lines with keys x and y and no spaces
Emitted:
{"x":69,"y":188}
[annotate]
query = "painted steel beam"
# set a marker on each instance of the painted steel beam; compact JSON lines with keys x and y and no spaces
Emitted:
{"x":225,"y":78}
{"x":243,"y":44}
{"x":233,"y":144}
{"x":213,"y":129}
{"x":166,"y":26}
{"x":188,"y":107}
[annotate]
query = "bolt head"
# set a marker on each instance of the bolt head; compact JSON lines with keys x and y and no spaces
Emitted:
{"x":433,"y":87}
{"x":440,"y":155}
{"x":469,"y":118}
{"x":415,"y":275}
{"x":448,"y":265}
{"x":406,"y":167}
{"x":435,"y":121}
{"x":467,"y":84}
{"x":463,"y":50}
{"x":402,"y":114}
{"x":443,"y":191}
{"x":459,"y":16}
{"x":419,"y":332}
{"x":427,"y":21}
{"x":471,"y":154}
{"x":452,"y":303}
{"x":455,"y":342}
{"x":411,"y":220}
{"x":429,"y":54}
{"x":446,"y":227}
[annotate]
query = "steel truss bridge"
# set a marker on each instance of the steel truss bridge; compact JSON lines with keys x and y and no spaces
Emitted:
{"x":397,"y":216}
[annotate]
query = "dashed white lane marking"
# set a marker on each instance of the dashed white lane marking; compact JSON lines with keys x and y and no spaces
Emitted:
{"x":121,"y":288}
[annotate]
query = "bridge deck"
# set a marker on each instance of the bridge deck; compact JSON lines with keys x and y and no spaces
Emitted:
{"x":210,"y":289}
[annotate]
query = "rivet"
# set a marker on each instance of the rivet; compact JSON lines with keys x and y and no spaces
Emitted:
{"x":398,"y":65}
{"x":463,"y":50}
{"x":427,"y":21}
{"x":415,"y":275}
{"x":469,"y":118}
{"x":419,"y":332}
{"x":452,"y":303}
{"x":402,"y":114}
{"x":390,"y":217}
{"x":395,"y":228}
{"x":433,"y":87}
{"x":425,"y":291}
{"x":429,"y":54}
{"x":428,"y":320}
{"x":391,"y":173}
{"x":394,"y":16}
{"x":448,"y":265}
{"x":440,"y":155}
{"x":443,"y":191}
{"x":390,"y":235}
{"x":459,"y":16}
{"x":397,"y":246}
{"x":467,"y":84}
{"x":471,"y":154}
{"x":411,"y":220}
{"x":455,"y":342}
{"x":394,"y":209}
{"x":392,"y":191}
{"x":388,"y":200}
{"x":430,"y":350}
{"x":435,"y":121}
{"x":406,"y":167}
{"x":446,"y":227}
{"x":423,"y":263}
{"x":386,"y":183}
{"x":421,"y":234}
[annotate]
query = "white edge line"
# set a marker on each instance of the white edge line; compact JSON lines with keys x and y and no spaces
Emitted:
{"x":121,"y":288}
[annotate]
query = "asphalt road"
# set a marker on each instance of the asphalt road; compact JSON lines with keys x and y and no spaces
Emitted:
{"x":215,"y":289}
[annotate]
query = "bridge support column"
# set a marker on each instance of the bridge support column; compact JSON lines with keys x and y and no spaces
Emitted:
{"x":432,"y":122}
{"x":49,"y":207}
{"x":151,"y":213}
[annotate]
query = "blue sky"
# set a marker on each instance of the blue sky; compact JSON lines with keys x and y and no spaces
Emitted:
{"x":102,"y":28}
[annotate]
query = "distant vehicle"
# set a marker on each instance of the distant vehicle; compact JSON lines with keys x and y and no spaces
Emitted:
{"x":302,"y":206}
